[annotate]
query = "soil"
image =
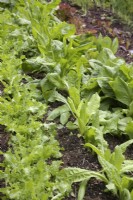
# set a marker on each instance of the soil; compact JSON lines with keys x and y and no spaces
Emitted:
{"x":73,"y":152}
{"x":4,"y":138}
{"x":75,"y":155}
{"x":98,"y":21}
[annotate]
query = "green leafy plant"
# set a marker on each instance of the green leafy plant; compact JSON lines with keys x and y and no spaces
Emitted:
{"x":81,"y":175}
{"x":115,"y":167}
{"x":28,"y":174}
{"x":120,"y":7}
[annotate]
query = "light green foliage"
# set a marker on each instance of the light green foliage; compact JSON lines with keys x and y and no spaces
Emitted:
{"x":121,"y":7}
{"x":85,"y":111}
{"x":81,"y":175}
{"x":124,"y":9}
{"x":85,"y":4}
{"x":27,"y":172}
{"x":123,"y":91}
{"x":115,"y":168}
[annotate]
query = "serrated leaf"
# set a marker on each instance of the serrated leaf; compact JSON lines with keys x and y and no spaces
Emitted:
{"x":124,"y":145}
{"x":74,"y":174}
{"x":127,"y":166}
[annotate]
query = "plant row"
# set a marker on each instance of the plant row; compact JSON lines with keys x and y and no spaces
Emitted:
{"x":42,"y":61}
{"x":124,"y":9}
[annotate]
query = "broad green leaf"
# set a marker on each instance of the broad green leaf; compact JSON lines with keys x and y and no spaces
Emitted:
{"x":117,"y":158}
{"x":87,"y":109}
{"x":80,"y":106}
{"x":103,"y":42}
{"x":107,"y":72}
{"x":57,"y":81}
{"x":64,"y":117}
{"x":122,"y":91}
{"x":127,"y":182}
{"x":129,"y":129}
{"x":62,"y":29}
{"x":72,"y":126}
{"x":115,"y":45}
{"x":122,"y":123}
{"x":36,"y":64}
{"x":90,"y":135}
{"x":82,"y":126}
{"x":126,"y":71}
{"x":131,"y":109}
{"x":105,"y":87}
{"x":72,"y":106}
{"x":57,"y":112}
{"x":93,"y":104}
{"x":83,"y":113}
{"x":108,"y":55}
{"x":74,"y":94}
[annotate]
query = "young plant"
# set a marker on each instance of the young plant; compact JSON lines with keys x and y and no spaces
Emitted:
{"x":115,"y":168}
{"x":74,"y":175}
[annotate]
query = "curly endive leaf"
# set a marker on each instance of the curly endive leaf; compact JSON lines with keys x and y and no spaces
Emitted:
{"x":74,"y":174}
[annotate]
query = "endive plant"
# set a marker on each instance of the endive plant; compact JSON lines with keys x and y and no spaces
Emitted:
{"x":73,"y":175}
{"x":82,"y":110}
{"x":115,"y":168}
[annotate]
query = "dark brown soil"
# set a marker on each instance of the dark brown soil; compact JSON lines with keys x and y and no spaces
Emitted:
{"x":4,"y":138}
{"x":75,"y":155}
{"x":1,"y":89}
{"x":95,"y":191}
{"x":106,"y":23}
{"x":102,"y":21}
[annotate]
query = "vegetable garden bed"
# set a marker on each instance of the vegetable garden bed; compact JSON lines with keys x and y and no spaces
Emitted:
{"x":66,"y":104}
